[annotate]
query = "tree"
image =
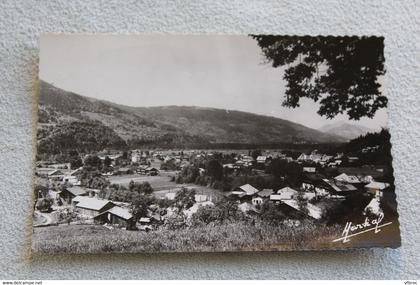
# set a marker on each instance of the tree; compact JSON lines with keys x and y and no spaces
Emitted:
{"x":302,"y":203}
{"x":44,"y":205}
{"x":185,"y":199}
{"x":40,"y":191}
{"x":256,"y":153}
{"x":215,"y":169}
{"x":139,"y":206}
{"x":107,"y":161}
{"x":340,"y":72}
{"x":271,"y":214}
{"x":93,"y":161}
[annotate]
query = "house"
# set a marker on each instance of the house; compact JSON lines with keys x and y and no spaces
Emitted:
{"x":285,"y":193}
{"x":92,"y":207}
{"x":201,"y":198}
{"x":312,"y":211}
{"x":245,"y":191}
{"x":152,"y":171}
{"x":265,"y":193}
{"x":257,"y":201}
{"x":116,"y":216}
{"x":56,"y":174}
{"x":72,"y":180}
{"x":340,"y":188}
{"x":315,"y":182}
{"x":261,"y":159}
{"x":309,"y":169}
{"x":347,"y":178}
{"x":122,"y":171}
{"x":352,"y":159}
{"x":69,"y":193}
{"x":76,"y":172}
{"x":376,"y":188}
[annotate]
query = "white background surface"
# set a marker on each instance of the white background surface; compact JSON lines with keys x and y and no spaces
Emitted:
{"x":21,"y":22}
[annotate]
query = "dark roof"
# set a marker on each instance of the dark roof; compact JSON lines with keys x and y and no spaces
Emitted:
{"x":265,"y":192}
{"x":313,"y":177}
{"x":76,"y":191}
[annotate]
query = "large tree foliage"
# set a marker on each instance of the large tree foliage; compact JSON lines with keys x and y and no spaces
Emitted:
{"x":339,"y":72}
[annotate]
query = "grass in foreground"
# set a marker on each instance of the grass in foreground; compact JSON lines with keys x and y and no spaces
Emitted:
{"x":238,"y":236}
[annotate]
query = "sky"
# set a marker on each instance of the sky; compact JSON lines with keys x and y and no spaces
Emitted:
{"x":218,"y":71}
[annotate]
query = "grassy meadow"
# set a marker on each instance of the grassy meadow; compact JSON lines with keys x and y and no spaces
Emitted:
{"x":238,"y":236}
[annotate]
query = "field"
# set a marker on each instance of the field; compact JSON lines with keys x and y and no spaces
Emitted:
{"x":161,"y":184}
{"x":238,"y":236}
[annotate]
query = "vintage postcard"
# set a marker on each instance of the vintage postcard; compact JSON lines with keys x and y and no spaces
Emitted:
{"x":191,"y":143}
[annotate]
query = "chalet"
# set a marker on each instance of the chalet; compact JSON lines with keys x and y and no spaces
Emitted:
{"x":60,"y":165}
{"x":265,"y":193}
{"x":145,"y":224}
{"x":201,"y":198}
{"x":285,"y":193}
{"x":92,"y":207}
{"x":315,"y":182}
{"x":76,"y":172}
{"x":376,"y":188}
{"x":309,"y":169}
{"x":261,"y":159}
{"x":257,"y":201}
{"x":122,"y":171}
{"x":73,"y":180}
{"x":347,"y":178}
{"x":43,"y":172}
{"x":340,"y":188}
{"x":116,"y":216}
{"x":69,"y":193}
{"x":56,"y":174}
{"x":352,"y":159}
{"x":311,"y":210}
{"x":245,"y":191}
{"x":152,"y":171}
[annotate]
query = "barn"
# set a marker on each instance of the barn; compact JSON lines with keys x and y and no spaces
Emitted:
{"x":92,"y":207}
{"x":116,"y":216}
{"x":69,"y":193}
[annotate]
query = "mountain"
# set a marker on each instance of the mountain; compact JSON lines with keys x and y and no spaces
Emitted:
{"x":345,"y":130}
{"x":71,"y":121}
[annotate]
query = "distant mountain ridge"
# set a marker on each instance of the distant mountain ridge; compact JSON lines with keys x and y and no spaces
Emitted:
{"x":345,"y":130}
{"x":60,"y":112}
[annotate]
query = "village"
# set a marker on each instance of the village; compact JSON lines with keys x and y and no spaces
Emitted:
{"x":178,"y":187}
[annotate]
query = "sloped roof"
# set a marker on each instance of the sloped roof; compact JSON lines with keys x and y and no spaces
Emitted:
{"x":265,"y":192}
{"x":92,"y":203}
{"x":55,"y":172}
{"x":262,"y":157}
{"x":286,"y":192}
{"x":313,"y":211}
{"x":248,"y":189}
{"x":120,"y":212}
{"x":77,"y":199}
{"x":77,"y":191}
{"x":144,"y":220}
{"x":377,"y":185}
{"x":347,"y":178}
{"x":73,"y":172}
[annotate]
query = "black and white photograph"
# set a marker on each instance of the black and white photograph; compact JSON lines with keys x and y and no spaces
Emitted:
{"x":212,"y":143}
